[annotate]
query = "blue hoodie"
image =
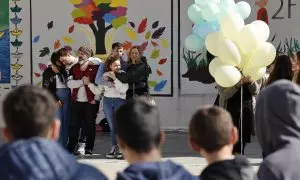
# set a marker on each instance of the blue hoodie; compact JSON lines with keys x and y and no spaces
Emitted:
{"x":155,"y":170}
{"x":38,"y":158}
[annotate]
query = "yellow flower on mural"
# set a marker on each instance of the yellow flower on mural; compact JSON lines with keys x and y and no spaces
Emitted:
{"x":76,"y":1}
{"x":97,"y":2}
{"x":164,"y":43}
{"x":67,"y":40}
{"x":118,"y":3}
{"x":130,"y":33}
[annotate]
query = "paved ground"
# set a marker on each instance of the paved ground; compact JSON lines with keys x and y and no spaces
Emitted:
{"x":175,"y":148}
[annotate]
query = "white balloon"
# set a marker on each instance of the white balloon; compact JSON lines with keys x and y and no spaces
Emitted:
{"x":212,"y":40}
{"x":255,"y":74}
{"x":227,"y":76}
{"x":263,"y":29}
{"x":232,"y":24}
{"x":214,"y":64}
{"x":229,"y":52}
{"x":243,"y":8}
{"x":248,"y":38}
{"x":263,"y":56}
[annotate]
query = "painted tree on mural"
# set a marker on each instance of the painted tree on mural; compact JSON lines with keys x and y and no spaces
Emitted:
{"x":100,"y":16}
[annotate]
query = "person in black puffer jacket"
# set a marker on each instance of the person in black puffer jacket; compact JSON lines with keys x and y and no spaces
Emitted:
{"x":138,"y":72}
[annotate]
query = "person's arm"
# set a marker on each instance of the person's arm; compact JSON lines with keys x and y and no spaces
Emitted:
{"x":96,"y":89}
{"x":100,"y":73}
{"x":94,"y":61}
{"x":121,"y":87}
{"x":74,"y":83}
{"x":227,"y":93}
{"x":265,"y":173}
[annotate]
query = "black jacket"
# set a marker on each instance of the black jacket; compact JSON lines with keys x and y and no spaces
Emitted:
{"x":238,"y":168}
{"x":49,"y":81}
{"x":137,"y":75}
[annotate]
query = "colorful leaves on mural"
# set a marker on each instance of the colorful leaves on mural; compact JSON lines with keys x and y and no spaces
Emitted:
{"x":155,"y":53}
{"x":148,"y":35}
{"x":162,"y":61}
{"x":50,"y":25}
{"x":132,"y":24}
{"x":42,"y":67}
{"x":67,"y":40}
{"x":130,"y":33}
{"x":152,"y":83}
{"x":159,"y":73}
{"x":154,"y":44}
{"x":143,"y":46}
{"x":56,"y":44}
{"x":37,"y":74}
{"x":142,"y":26}
{"x":118,"y":22}
{"x":155,"y":24}
{"x":36,"y":39}
{"x":127,"y":45}
{"x":71,"y":29}
{"x":164,"y":43}
{"x":160,"y":86}
{"x":45,"y":51}
{"x":158,"y":33}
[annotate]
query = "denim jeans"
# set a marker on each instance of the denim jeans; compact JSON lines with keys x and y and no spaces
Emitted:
{"x":63,"y":114}
{"x":110,"y":105}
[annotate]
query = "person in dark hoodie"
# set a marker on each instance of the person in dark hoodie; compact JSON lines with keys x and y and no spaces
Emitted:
{"x":31,"y":130}
{"x":140,"y":137}
{"x":212,"y":134}
{"x":278,"y":130}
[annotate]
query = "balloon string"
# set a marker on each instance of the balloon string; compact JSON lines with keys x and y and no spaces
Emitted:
{"x":241,"y":119}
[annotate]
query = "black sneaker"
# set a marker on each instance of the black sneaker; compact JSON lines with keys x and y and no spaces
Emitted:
{"x":88,"y":152}
{"x":112,"y":153}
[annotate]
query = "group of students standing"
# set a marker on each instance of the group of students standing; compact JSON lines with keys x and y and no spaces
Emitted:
{"x":79,"y":84}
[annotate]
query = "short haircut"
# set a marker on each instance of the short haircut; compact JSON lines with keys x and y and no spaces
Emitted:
{"x":63,"y":52}
{"x":117,"y":45}
{"x":137,"y":124}
{"x":28,"y":111}
{"x":211,"y":127}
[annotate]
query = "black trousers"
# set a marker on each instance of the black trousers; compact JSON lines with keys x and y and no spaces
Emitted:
{"x":83,"y":115}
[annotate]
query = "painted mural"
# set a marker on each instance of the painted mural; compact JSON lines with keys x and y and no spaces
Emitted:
{"x":98,"y":24}
{"x":4,"y":43}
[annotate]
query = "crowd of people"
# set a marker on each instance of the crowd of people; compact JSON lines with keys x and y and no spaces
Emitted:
{"x":36,"y":118}
{"x":79,"y":84}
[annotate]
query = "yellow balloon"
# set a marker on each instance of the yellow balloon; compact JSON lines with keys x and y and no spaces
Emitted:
{"x":227,"y":76}
{"x":248,"y":38}
{"x":263,"y":56}
{"x":212,"y":40}
{"x":229,"y":53}
{"x":214,"y":64}
{"x":255,"y":74}
{"x":232,"y":24}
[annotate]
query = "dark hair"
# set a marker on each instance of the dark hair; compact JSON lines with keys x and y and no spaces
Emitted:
{"x":108,"y":62}
{"x":137,"y":124}
{"x":140,"y":52}
{"x":63,"y":52}
{"x":56,"y":62}
{"x":117,"y":45}
{"x":282,"y":69}
{"x":210,"y":127}
{"x":28,"y":111}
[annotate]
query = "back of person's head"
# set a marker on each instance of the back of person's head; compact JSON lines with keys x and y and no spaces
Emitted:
{"x":117,"y":45}
{"x":282,"y":69}
{"x":210,"y":129}
{"x":86,"y":50}
{"x":28,"y":112}
{"x":138,"y":126}
{"x":277,"y":116}
{"x":63,"y":52}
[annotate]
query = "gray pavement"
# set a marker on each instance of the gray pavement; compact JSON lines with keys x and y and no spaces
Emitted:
{"x":175,"y":148}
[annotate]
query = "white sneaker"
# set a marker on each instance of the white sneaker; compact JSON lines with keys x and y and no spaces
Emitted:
{"x":81,"y":149}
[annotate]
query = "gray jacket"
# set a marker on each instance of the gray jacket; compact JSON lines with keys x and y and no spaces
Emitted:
{"x":278,"y":130}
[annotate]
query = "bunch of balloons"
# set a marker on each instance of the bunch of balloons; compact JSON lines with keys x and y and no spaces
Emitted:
{"x":207,"y":15}
{"x":240,"y":50}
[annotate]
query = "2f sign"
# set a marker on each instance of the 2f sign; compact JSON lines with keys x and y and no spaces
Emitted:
{"x":289,"y":5}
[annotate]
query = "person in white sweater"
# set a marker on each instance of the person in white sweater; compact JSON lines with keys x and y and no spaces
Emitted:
{"x":114,"y":96}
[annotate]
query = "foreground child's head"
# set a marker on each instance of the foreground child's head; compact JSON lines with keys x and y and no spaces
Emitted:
{"x":211,"y":129}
